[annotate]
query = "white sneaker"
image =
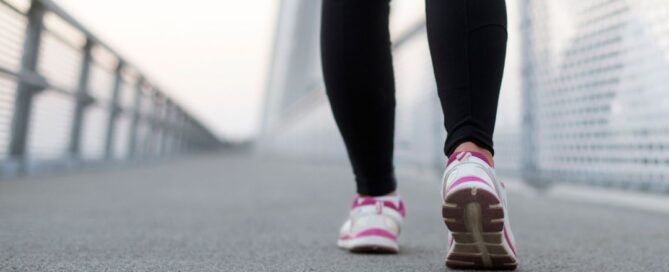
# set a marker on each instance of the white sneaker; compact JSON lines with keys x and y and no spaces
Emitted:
{"x":475,"y":212}
{"x":373,"y":225}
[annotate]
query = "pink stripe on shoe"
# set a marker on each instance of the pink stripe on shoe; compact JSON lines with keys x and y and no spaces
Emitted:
{"x":452,"y":158}
{"x":468,"y":179}
{"x":364,"y":201}
{"x":459,"y":156}
{"x":508,"y":241}
{"x":400,"y":209}
{"x":370,"y":232}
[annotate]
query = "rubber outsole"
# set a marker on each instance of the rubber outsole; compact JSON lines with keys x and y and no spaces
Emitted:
{"x":373,"y":249}
{"x":370,"y":245}
{"x":475,"y":217}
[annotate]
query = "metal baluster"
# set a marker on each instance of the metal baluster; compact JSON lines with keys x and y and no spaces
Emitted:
{"x":114,"y":110}
{"x":83,"y":100}
{"x":25,"y":90}
{"x":136,"y":115}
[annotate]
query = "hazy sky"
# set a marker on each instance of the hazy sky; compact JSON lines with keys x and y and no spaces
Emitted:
{"x":211,"y":56}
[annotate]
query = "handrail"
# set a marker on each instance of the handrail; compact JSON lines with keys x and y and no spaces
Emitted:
{"x":172,"y":129}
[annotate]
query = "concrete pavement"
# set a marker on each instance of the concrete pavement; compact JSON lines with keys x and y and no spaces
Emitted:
{"x":239,"y":213}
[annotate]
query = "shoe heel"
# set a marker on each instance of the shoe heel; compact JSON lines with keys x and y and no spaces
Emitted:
{"x":454,"y":207}
{"x":475,"y":218}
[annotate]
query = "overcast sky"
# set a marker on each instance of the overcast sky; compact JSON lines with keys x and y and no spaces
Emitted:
{"x":211,"y":56}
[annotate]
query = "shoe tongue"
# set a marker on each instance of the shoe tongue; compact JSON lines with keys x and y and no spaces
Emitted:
{"x":459,"y":156}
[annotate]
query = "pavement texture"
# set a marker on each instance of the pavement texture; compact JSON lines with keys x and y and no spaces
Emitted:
{"x":239,"y":213}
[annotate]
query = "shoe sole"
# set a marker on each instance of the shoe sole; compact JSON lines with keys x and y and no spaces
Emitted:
{"x":370,"y":245}
{"x":475,"y":217}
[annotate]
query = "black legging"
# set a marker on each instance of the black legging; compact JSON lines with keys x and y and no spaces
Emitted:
{"x":468,"y":47}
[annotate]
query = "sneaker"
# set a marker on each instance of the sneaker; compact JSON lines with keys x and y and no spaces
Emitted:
{"x":475,"y":212}
{"x":373,"y":225}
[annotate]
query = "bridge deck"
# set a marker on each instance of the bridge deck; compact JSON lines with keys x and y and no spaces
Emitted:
{"x":237,"y":213}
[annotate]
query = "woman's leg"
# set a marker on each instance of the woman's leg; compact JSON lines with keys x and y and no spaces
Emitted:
{"x":468,"y":46}
{"x":358,"y":73}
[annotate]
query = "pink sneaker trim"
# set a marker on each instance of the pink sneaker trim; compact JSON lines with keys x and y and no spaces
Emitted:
{"x":459,"y":156}
{"x":508,"y":241}
{"x":369,"y":232}
{"x":372,"y":201}
{"x":400,"y":209}
{"x":468,"y":179}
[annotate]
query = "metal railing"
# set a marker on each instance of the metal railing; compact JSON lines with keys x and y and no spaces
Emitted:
{"x":70,"y":71}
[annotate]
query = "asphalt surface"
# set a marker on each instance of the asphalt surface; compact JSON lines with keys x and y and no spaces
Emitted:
{"x":237,"y":213}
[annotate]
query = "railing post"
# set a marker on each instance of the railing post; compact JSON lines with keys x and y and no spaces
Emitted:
{"x":149,"y":138}
{"x":167,"y":128}
{"x":183,"y":147}
{"x":136,"y":114}
{"x":194,"y":135}
{"x":114,"y":110}
{"x":178,"y":130}
{"x":25,"y":91}
{"x":186,"y":138}
{"x":82,"y":101}
{"x":159,"y":128}
{"x":173,"y":129}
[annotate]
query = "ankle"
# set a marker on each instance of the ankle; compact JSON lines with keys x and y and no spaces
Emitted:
{"x":472,"y":147}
